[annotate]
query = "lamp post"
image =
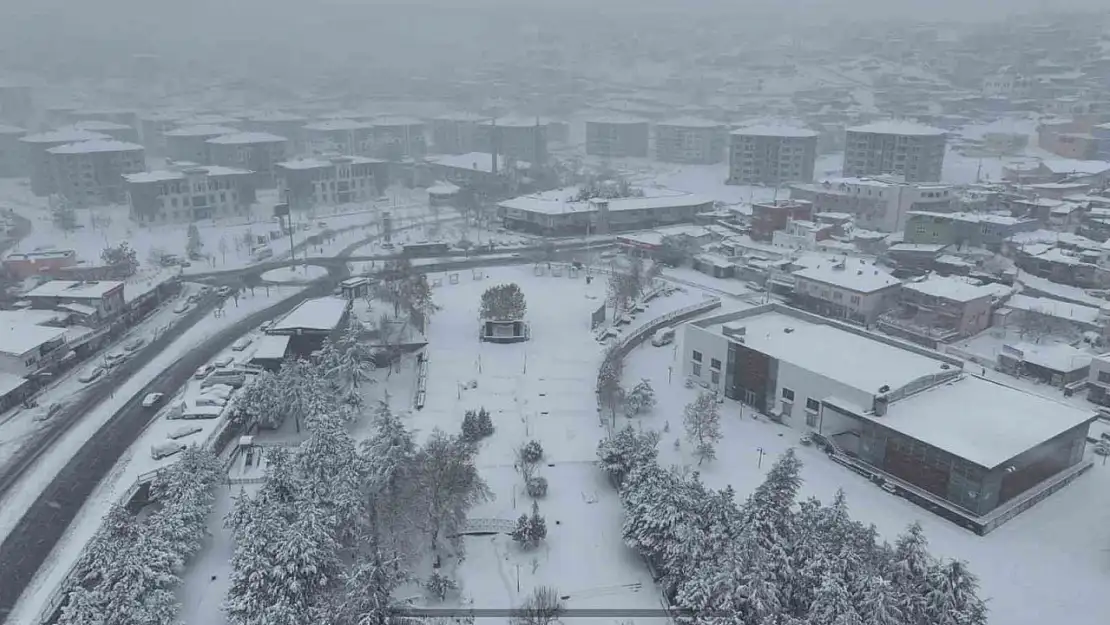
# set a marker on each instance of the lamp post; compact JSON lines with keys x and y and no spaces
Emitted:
{"x":759,"y":463}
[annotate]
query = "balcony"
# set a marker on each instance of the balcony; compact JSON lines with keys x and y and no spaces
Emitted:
{"x":918,"y":326}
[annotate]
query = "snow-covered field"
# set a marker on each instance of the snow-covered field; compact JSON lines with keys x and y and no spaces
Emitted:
{"x":1052,"y":556}
{"x":301,"y":273}
{"x":134,"y":463}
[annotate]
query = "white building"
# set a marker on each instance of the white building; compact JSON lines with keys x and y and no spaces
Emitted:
{"x":327,"y":181}
{"x":25,"y":348}
{"x":907,"y":149}
{"x":852,"y":289}
{"x":881,"y":203}
{"x":190,"y":194}
{"x":771,"y":155}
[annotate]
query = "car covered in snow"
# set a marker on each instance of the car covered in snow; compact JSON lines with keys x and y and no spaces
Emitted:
{"x":91,"y":375}
{"x":203,"y":372}
{"x":223,"y":361}
{"x":167,"y":449}
{"x":181,"y":307}
{"x":152,"y":399}
{"x":114,"y":358}
{"x":134,"y":344}
{"x":242,"y":344}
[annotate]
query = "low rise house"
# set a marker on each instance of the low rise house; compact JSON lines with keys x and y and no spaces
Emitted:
{"x":189,"y":194}
{"x":852,"y":289}
{"x":476,"y":169}
{"x":97,"y":301}
{"x":1057,"y":364}
{"x":1038,"y":317}
{"x":803,"y":235}
{"x":964,"y":229}
{"x":1098,"y":380}
{"x":311,"y":323}
{"x":771,"y":217}
{"x":1060,"y":265}
{"x":26,"y":349}
{"x":22,"y":265}
{"x":939,"y":310}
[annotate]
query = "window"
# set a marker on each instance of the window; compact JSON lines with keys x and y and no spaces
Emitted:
{"x":715,"y":377}
{"x":697,"y":356}
{"x":1104,"y":377}
{"x":811,"y":419}
{"x":855,"y":299}
{"x":714,"y":364}
{"x":697,"y":369}
{"x":787,"y":394}
{"x":813,"y":404}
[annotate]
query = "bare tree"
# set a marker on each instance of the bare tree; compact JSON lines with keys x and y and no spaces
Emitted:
{"x":542,"y":607}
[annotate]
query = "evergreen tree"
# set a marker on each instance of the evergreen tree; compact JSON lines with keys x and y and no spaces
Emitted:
{"x":703,"y":425}
{"x":880,"y":605}
{"x":641,"y":398}
{"x":909,"y":574}
{"x":193,"y":244}
{"x":953,"y":596}
{"x":625,"y":450}
{"x":122,"y":258}
{"x":503,"y":302}
{"x":832,"y":605}
{"x":485,"y":423}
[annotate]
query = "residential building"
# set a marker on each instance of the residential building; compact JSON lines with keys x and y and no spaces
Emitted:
{"x":152,"y":129}
{"x":39,"y":161}
{"x":456,"y":133}
{"x":26,"y":348}
{"x":554,"y":213}
{"x":344,"y":136}
{"x":475,"y":169}
{"x":771,"y":217}
{"x":190,"y":143}
{"x":23,"y":265}
{"x":648,"y":243}
{"x":690,"y":140}
{"x":190,"y":194}
{"x":881,"y":203}
{"x":97,"y":300}
{"x":126,"y":117}
{"x":254,"y":151}
{"x":803,"y":235}
{"x":13,"y":154}
{"x":938,"y":310}
{"x":1056,"y":364}
{"x":617,"y":136}
{"x":771,"y":155}
{"x":310,"y":323}
{"x":119,"y":132}
{"x":1095,"y":173}
{"x":909,"y":417}
{"x":1098,"y":380}
{"x":1042,"y":316}
{"x":964,"y":229}
{"x":281,"y":124}
{"x":852,"y":289}
{"x":1101,"y":133}
{"x":517,"y":138}
{"x":1077,"y":268}
{"x":17,"y":105}
{"x":1076,"y":145}
{"x":328,"y":181}
{"x":910,"y":150}
{"x":396,"y":138}
{"x":91,"y":173}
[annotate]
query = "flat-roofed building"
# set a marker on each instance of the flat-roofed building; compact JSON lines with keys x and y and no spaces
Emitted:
{"x":23,"y":265}
{"x":26,"y":348}
{"x":190,"y":143}
{"x":853,"y":289}
{"x":690,"y":140}
{"x":397,"y":137}
{"x":558,"y":213}
{"x":617,"y":136}
{"x":115,"y":130}
{"x":254,"y":151}
{"x":189,"y":194}
{"x":90,"y":173}
{"x":152,"y":129}
{"x":344,"y":136}
{"x":13,"y":154}
{"x":39,"y":160}
{"x":328,"y":181}
{"x":517,"y":138}
{"x":311,"y":323}
{"x":771,"y":155}
{"x":908,"y":149}
{"x":881,"y":203}
{"x":286,"y":125}
{"x":456,"y":133}
{"x":940,"y":310}
{"x":967,"y":448}
{"x":105,"y":297}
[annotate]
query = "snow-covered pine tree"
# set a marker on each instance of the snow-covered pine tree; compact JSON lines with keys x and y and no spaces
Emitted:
{"x":879,"y":605}
{"x":909,"y":574}
{"x":330,"y":468}
{"x":703,"y":425}
{"x":832,"y":605}
{"x":485,"y":423}
{"x":625,"y":450}
{"x":503,"y":302}
{"x":365,"y":596}
{"x":953,"y":596}
{"x":640,"y":399}
{"x":449,"y":485}
{"x":471,"y":431}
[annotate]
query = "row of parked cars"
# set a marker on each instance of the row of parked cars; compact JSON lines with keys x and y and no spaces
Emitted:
{"x":111,"y":360}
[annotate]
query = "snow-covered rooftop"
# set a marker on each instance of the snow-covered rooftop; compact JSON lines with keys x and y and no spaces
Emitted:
{"x":19,"y":339}
{"x":75,"y":290}
{"x":1001,"y":220}
{"x":1073,"y":166}
{"x":690,"y":122}
{"x":615,"y":119}
{"x":852,"y":359}
{"x":201,"y":130}
{"x":461,"y":117}
{"x":559,"y":201}
{"x":100,"y":145}
{"x":1055,"y":356}
{"x":269,"y":347}
{"x":443,"y":188}
{"x":9,"y":383}
{"x":390,"y":121}
{"x":984,"y":422}
{"x":338,"y":124}
{"x":514,"y":121}
{"x":65,"y":135}
{"x":854,"y":274}
{"x":208,"y":120}
{"x":898,"y":127}
{"x":170,"y":174}
{"x":96,"y":125}
{"x":950,"y":288}
{"x":765,"y":130}
{"x":1055,"y":308}
{"x":475,"y":161}
{"x":275,"y":116}
{"x":30,"y":317}
{"x":323,"y":313}
{"x":247,"y":138}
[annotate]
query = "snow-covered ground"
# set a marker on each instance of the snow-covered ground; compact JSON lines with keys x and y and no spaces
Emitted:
{"x":300,"y":273}
{"x":1052,"y":556}
{"x":134,"y":463}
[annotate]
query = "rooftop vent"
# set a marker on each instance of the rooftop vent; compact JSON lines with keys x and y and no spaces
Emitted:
{"x":882,"y":402}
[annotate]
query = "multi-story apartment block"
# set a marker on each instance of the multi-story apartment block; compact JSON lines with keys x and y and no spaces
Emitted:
{"x":456,"y":133}
{"x":852,"y":289}
{"x":344,"y":136}
{"x":117,"y":131}
{"x":398,"y":137}
{"x":907,"y":149}
{"x":771,"y":217}
{"x":964,"y":229}
{"x":152,"y":129}
{"x":327,"y":181}
{"x":881,"y":203}
{"x":13,"y":154}
{"x":91,"y":173}
{"x":519,"y":139}
{"x":617,"y":136}
{"x":690,"y":140}
{"x":281,"y":124}
{"x":17,"y":104}
{"x":189,"y":144}
{"x":771,"y":155}
{"x":939,"y":310}
{"x":254,"y":151}
{"x":189,"y":194}
{"x":127,"y":117}
{"x":39,"y":160}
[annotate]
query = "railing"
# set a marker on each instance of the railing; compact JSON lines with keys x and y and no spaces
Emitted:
{"x":421,"y":381}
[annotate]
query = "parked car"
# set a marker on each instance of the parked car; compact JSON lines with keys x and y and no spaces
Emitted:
{"x":165,"y":450}
{"x":114,"y":358}
{"x":134,"y":344}
{"x":219,"y":390}
{"x":224,"y":291}
{"x":91,"y":375}
{"x":242,"y":344}
{"x":182,"y":432}
{"x":232,"y":379}
{"x":663,"y":337}
{"x":223,"y":361}
{"x":152,"y":399}
{"x":203,"y":372}
{"x":181,"y":307}
{"x":49,"y":413}
{"x":205,"y":399}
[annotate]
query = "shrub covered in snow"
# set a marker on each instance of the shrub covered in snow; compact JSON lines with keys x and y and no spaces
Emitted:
{"x":531,"y":530}
{"x":537,"y":487}
{"x":625,"y":450}
{"x":476,"y":425}
{"x":532,"y":452}
{"x":639,"y":399}
{"x":439,"y":586}
{"x":503,"y":302}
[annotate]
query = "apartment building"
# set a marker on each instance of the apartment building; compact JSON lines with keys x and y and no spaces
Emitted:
{"x":690,"y":140}
{"x":396,"y":138}
{"x":939,"y":309}
{"x":281,"y":124}
{"x":190,"y":194}
{"x":39,"y":160}
{"x":771,"y":155}
{"x":91,"y":173}
{"x":456,"y":133}
{"x":617,"y":136}
{"x":1098,"y":381}
{"x":853,"y":289}
{"x":327,"y":181}
{"x":964,"y":229}
{"x":117,"y":131}
{"x":17,"y":105}
{"x":343,"y":136}
{"x":189,"y":144}
{"x":152,"y":129}
{"x":881,"y":203}
{"x":516,"y":138}
{"x":254,"y":151}
{"x":13,"y":154}
{"x":907,"y":149}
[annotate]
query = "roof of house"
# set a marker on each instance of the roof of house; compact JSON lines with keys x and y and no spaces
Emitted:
{"x":854,"y":274}
{"x":1054,"y":308}
{"x":247,"y":138}
{"x":559,"y":201}
{"x":30,"y":316}
{"x":898,"y":127}
{"x":1055,"y":356}
{"x":950,"y":288}
{"x":774,"y":131}
{"x":475,"y":161}
{"x":65,"y":135}
{"x":92,"y":147}
{"x":514,"y":121}
{"x":850,"y":358}
{"x":984,"y":422}
{"x":322,"y":313}
{"x":391,"y":121}
{"x":271,"y":347}
{"x":200,"y":130}
{"x":9,"y":383}
{"x":461,"y":117}
{"x":338,"y":124}
{"x":96,"y":125}
{"x":1073,"y":166}
{"x":21,"y":338}
{"x":75,"y":290}
{"x":208,"y":120}
{"x":166,"y":175}
{"x":321,"y":163}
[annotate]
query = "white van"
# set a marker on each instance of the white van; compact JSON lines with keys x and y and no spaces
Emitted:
{"x":663,"y":336}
